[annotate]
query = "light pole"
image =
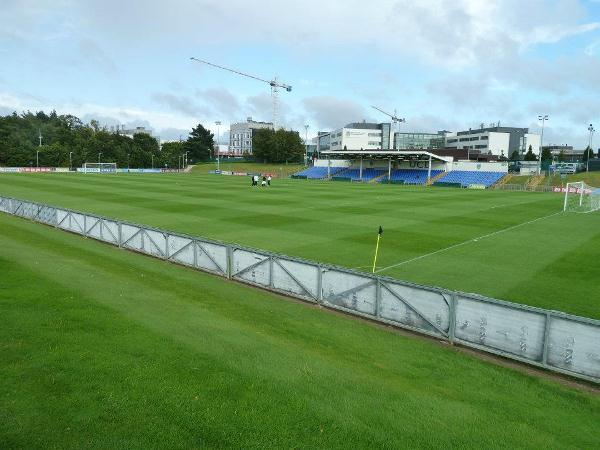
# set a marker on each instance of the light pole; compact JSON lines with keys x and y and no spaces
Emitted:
{"x":589,"y":150}
{"x":186,"y":159}
{"x":40,"y":137}
{"x":543,"y":119}
{"x":218,"y":124}
{"x":99,"y":155}
{"x":70,"y":160}
{"x":127,"y":161}
{"x":306,"y":127}
{"x":152,"y":156}
{"x":37,"y":159}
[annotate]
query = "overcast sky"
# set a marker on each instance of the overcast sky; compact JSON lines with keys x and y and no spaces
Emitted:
{"x":442,"y":64}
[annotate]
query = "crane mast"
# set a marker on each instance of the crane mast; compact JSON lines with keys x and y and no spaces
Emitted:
{"x":274,"y":84}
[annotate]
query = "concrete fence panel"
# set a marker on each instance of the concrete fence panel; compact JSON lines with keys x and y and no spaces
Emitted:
{"x":296,"y":278}
{"x":350,"y":291}
{"x":574,"y":346}
{"x":251,"y":266}
{"x":132,"y":237}
{"x":415,"y":307}
{"x":182,"y":250}
{"x":211,"y":257}
{"x":500,"y":327}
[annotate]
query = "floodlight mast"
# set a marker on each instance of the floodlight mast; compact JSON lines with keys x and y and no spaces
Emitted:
{"x":274,"y":84}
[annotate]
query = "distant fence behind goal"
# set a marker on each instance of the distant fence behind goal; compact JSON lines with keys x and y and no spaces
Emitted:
{"x":553,"y":340}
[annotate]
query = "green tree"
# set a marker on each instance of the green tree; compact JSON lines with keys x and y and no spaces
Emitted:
{"x":546,"y":154}
{"x":529,"y":156}
{"x":199,"y":144}
{"x":279,"y":146}
{"x":588,"y":153}
{"x":514,"y":156}
{"x":169,"y":154}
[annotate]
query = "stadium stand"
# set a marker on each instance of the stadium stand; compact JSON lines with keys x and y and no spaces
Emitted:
{"x":410,"y":176}
{"x":354,"y":174}
{"x":466,"y":178}
{"x":317,"y":173}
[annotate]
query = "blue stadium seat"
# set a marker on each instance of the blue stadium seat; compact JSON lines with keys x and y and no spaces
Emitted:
{"x":411,"y":176}
{"x":466,"y":178}
{"x":354,"y":174}
{"x":318,"y":173}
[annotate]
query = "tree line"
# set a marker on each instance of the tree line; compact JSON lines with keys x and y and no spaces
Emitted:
{"x":279,"y":146}
{"x":547,"y":155}
{"x":68,"y":142}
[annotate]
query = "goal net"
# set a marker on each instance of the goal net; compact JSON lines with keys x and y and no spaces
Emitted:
{"x":580,"y":197}
{"x":101,"y":167}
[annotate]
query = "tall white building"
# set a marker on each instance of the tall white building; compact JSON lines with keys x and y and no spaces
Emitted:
{"x":240,"y":135}
{"x":356,"y":136}
{"x":500,"y":141}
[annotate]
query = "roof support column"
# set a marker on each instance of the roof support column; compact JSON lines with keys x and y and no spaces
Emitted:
{"x":429,"y":171}
{"x":390,"y":169}
{"x":328,"y":168}
{"x":361,"y":165}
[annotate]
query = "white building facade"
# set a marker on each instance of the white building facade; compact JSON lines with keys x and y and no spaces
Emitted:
{"x":499,"y":141}
{"x":355,"y":136}
{"x":240,"y":136}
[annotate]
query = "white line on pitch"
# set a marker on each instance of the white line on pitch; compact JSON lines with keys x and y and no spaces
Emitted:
{"x":401,"y":263}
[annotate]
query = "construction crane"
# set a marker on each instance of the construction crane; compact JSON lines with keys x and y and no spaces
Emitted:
{"x":274,"y":83}
{"x":394,"y":117}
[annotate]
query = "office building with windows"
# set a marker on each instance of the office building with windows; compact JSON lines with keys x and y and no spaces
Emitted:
{"x":355,"y":136}
{"x":421,"y":141}
{"x":240,"y":135}
{"x":499,"y":141}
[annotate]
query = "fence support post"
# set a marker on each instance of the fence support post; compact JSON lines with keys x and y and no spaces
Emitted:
{"x":452,"y":318}
{"x":545,"y":348}
{"x":320,"y":285}
{"x":166,"y":246}
{"x":377,"y":297}
{"x":85,"y":226}
{"x":229,"y":258}
{"x":271,"y":271}
{"x":120,"y":243}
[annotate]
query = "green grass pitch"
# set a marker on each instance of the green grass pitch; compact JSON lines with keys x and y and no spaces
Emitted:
{"x":102,"y":348}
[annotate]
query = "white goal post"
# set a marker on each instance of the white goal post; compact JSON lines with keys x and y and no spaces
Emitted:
{"x":580,"y":197}
{"x":100,"y":167}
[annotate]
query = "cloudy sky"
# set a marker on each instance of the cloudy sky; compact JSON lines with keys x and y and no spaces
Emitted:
{"x":442,"y":64}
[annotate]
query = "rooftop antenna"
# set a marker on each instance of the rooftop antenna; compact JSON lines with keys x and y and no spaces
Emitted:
{"x":274,"y":84}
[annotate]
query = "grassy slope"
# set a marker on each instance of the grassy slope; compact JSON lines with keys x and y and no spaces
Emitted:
{"x":591,"y":178}
{"x":101,"y":348}
{"x":280,"y":170}
{"x":551,"y":263}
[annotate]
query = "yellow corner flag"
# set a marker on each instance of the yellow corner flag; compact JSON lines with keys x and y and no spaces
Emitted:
{"x":377,"y":247}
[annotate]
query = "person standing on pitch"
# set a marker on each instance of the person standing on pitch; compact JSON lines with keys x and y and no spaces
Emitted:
{"x":264,"y":181}
{"x":269,"y":180}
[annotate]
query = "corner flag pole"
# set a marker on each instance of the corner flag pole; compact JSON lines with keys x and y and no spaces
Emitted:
{"x":377,"y":247}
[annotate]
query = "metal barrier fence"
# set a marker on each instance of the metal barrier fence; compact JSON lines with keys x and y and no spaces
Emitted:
{"x":522,"y":187}
{"x":553,"y":340}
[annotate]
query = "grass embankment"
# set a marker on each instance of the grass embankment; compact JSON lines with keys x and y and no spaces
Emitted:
{"x":102,"y":348}
{"x":279,"y":170}
{"x":591,"y":178}
{"x":551,"y":263}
